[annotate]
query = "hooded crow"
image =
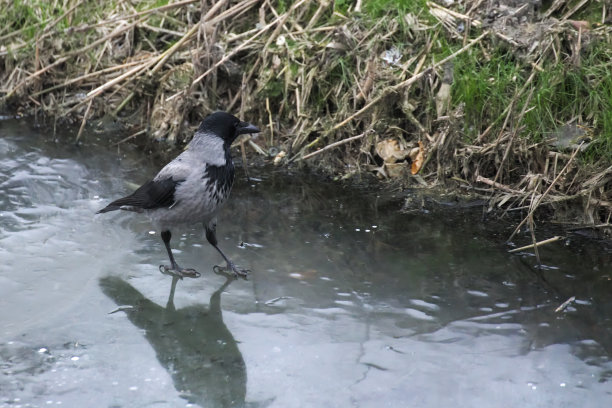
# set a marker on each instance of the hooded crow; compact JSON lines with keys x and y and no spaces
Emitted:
{"x":192,"y":187}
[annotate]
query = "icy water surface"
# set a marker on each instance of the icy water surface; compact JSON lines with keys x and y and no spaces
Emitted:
{"x":350,"y":304}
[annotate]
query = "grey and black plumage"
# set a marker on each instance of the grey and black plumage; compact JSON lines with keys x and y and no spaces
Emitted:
{"x":192,"y":187}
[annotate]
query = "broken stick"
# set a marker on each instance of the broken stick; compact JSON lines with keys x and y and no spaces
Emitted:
{"x":537,"y":244}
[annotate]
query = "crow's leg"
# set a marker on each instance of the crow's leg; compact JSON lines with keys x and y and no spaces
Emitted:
{"x":212,"y":239}
{"x":175,"y":269}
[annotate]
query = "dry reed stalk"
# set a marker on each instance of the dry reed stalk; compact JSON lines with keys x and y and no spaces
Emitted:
{"x":161,"y":60}
{"x":67,"y":56}
{"x":508,"y":110}
{"x":281,"y":25}
{"x":455,"y":14}
{"x":158,"y":60}
{"x":565,"y":304}
{"x":332,"y":145}
{"x":102,"y":40}
{"x":88,"y":76}
{"x":139,"y":14}
{"x":541,"y":197}
{"x":499,"y":186}
{"x":513,"y":136}
{"x":574,"y":9}
{"x":317,"y":14}
{"x":78,"y":136}
{"x":61,"y":17}
{"x":205,"y":19}
{"x":537,"y":244}
{"x":162,"y":30}
{"x":270,"y":122}
{"x":132,"y":136}
{"x":553,"y":7}
{"x":34,"y":75}
{"x":281,"y":20}
{"x":95,"y":92}
{"x":532,"y":228}
{"x":231,"y":12}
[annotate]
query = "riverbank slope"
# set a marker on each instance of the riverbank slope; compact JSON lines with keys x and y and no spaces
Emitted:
{"x":509,"y":101}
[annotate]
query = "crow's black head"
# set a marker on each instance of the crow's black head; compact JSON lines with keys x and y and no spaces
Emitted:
{"x":226,"y":126}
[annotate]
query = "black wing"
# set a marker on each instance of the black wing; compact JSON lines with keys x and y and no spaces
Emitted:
{"x":153,"y":194}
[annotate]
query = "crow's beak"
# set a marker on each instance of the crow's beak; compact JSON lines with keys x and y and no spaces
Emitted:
{"x":246,"y":127}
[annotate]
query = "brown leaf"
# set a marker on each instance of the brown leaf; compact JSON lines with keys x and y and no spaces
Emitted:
{"x":417,"y":163}
{"x":390,"y":151}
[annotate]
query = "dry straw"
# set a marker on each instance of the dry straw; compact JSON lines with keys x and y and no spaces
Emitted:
{"x":329,"y":84}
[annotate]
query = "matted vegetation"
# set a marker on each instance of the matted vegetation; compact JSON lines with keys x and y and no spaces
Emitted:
{"x":497,"y":98}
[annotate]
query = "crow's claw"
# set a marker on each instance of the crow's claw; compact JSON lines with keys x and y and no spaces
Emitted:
{"x":237,"y":272}
{"x":179,"y":272}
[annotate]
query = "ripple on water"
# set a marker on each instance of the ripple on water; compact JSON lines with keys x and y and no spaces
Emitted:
{"x":49,"y":243}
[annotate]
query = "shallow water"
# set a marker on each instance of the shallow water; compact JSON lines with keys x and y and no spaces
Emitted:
{"x":350,"y":303}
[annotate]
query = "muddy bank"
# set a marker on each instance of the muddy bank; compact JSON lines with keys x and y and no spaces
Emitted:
{"x":506,"y":101}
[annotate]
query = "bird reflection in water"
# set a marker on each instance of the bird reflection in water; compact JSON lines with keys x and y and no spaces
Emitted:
{"x":192,"y":343}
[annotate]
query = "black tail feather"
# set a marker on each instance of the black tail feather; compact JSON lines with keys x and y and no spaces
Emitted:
{"x":151,"y":195}
{"x":110,"y":207}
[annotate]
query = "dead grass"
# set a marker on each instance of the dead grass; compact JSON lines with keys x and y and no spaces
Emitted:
{"x":468,"y":90}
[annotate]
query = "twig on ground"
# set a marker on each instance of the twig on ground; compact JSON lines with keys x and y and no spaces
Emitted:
{"x":565,"y":304}
{"x":499,"y":186}
{"x":537,"y":244}
{"x":78,"y":136}
{"x":132,"y":136}
{"x":332,"y":145}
